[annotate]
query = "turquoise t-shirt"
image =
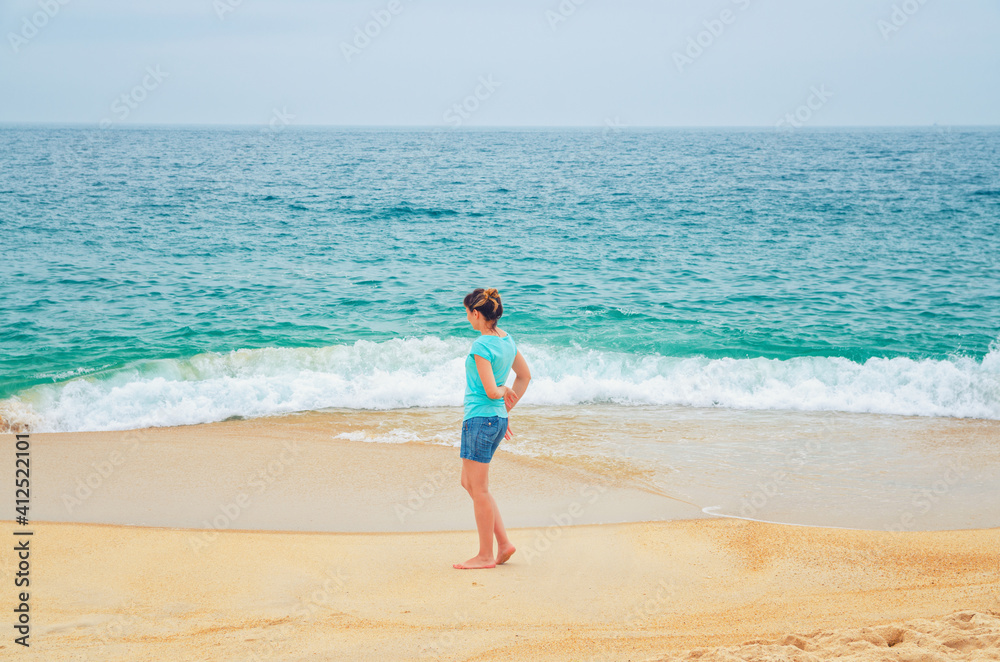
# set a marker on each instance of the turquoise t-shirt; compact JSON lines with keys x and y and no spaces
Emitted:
{"x":500,"y":352}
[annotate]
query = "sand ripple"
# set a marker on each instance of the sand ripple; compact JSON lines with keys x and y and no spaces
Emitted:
{"x":964,"y":635}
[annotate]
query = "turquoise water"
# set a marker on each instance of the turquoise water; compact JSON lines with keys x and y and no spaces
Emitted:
{"x":166,"y":276}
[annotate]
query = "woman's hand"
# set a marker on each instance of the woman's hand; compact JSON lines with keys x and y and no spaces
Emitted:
{"x":509,"y":398}
{"x":509,"y":433}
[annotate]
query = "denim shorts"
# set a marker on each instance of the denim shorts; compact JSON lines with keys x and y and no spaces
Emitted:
{"x":481,"y":435}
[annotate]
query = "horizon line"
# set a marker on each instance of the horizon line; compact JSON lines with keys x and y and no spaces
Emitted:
{"x":612,"y":127}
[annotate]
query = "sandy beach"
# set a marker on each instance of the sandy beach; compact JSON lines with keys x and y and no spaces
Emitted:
{"x":585,"y":584}
{"x":592,"y":592}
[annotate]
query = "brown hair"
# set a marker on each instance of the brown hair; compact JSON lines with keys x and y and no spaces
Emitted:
{"x":486,"y":301}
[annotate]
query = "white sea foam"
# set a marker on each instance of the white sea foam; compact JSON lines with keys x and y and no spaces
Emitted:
{"x":395,"y":436}
{"x":429,"y":372}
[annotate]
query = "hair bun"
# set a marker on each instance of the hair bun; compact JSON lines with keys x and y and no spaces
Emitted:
{"x":486,"y":300}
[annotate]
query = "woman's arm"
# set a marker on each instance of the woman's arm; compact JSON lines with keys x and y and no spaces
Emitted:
{"x":485,"y":369}
{"x":494,"y":392}
{"x":520,"y":368}
{"x":513,"y":394}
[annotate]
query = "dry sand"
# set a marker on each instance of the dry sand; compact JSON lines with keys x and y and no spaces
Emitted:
{"x":593,"y":592}
{"x":709,"y":589}
{"x":964,"y":635}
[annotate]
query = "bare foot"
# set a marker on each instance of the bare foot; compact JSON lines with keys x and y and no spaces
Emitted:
{"x":475,"y":563}
{"x":505,"y":553}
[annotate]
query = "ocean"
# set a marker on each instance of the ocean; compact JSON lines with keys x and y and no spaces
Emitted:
{"x":173,"y":276}
{"x":169,"y":276}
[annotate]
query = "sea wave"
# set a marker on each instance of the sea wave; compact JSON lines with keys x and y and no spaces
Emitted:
{"x":429,"y":372}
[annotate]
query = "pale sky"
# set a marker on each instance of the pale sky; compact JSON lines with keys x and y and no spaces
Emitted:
{"x":503,"y":62}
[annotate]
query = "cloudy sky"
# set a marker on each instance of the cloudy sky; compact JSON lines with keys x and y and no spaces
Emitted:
{"x":501,"y":62}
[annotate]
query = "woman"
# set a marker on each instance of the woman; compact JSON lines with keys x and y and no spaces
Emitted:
{"x":487,"y":401}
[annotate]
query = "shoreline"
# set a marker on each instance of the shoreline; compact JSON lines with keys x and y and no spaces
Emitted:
{"x":399,"y":471}
{"x":293,"y":474}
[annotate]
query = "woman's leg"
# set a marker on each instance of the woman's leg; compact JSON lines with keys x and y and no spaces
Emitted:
{"x":504,"y":546}
{"x":498,"y":530}
{"x":475,"y":479}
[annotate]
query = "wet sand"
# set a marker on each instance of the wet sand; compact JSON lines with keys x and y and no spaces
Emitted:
{"x":293,"y":474}
{"x":285,"y":473}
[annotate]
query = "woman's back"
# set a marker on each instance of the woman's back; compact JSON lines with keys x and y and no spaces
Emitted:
{"x":500,"y":352}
